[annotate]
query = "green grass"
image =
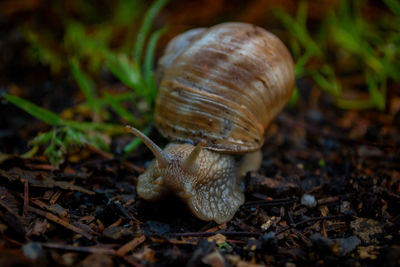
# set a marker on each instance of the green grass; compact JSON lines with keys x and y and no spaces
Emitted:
{"x":65,"y":134}
{"x":373,"y":46}
{"x":140,"y":77}
{"x":94,"y":49}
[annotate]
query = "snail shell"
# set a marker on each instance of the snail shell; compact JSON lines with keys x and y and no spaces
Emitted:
{"x":223,"y":85}
{"x":219,"y":88}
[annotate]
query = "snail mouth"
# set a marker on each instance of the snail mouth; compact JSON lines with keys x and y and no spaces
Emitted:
{"x":184,"y":195}
{"x":151,"y":187}
{"x":159,"y":181}
{"x":179,"y":185}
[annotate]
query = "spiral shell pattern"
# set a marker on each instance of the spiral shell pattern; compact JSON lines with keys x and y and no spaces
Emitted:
{"x":223,"y":85}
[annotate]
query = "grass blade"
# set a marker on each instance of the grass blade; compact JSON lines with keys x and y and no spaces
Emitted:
{"x":124,"y":70}
{"x":120,"y":110}
{"x":85,"y":84}
{"x":148,"y":73}
{"x":107,"y":128}
{"x":145,"y":28}
{"x":149,"y":56}
{"x":34,"y":110}
{"x":394,"y":6}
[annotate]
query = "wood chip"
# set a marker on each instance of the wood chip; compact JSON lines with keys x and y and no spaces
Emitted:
{"x":59,"y":221}
{"x":131,"y":245}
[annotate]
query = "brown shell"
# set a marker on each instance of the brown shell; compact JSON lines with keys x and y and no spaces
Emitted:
{"x":223,"y":85}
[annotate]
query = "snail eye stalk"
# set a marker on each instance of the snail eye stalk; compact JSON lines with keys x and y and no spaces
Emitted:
{"x":162,"y":157}
{"x":190,"y":162}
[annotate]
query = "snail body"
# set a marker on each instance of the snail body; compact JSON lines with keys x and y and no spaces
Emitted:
{"x":219,"y":88}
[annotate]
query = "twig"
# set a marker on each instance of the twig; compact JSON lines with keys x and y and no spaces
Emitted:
{"x":97,"y":250}
{"x":86,"y":228}
{"x":26,"y":196}
{"x":95,"y":162}
{"x":131,"y":166}
{"x":333,"y":199}
{"x":323,"y":228}
{"x":302,"y":237}
{"x":122,"y":209}
{"x":43,"y":167}
{"x":55,"y":197}
{"x":12,"y":241}
{"x":205,"y":234}
{"x":273,"y":202}
{"x":59,"y":221}
{"x":100,"y":152}
{"x":39,"y":203}
{"x":4,"y":205}
{"x":309,"y":220}
{"x":117,"y":222}
{"x":131,"y":245}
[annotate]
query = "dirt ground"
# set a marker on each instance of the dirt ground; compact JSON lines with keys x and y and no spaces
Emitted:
{"x":328,"y":192}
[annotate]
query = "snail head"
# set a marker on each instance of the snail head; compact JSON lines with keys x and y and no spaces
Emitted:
{"x":206,"y":181}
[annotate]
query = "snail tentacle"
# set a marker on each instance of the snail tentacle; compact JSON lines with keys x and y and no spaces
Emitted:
{"x":162,"y":157}
{"x":190,"y":162}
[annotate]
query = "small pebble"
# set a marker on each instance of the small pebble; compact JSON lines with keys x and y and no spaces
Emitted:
{"x":345,"y":206}
{"x":322,"y":243}
{"x":269,"y":242}
{"x":309,"y":201}
{"x":214,"y":259}
{"x":33,"y":251}
{"x":158,"y":227}
{"x":315,"y":116}
{"x":347,"y":245}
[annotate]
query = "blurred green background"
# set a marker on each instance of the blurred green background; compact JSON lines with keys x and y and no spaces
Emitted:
{"x":86,"y":68}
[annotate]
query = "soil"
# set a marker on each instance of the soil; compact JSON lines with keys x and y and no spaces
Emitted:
{"x":328,"y":192}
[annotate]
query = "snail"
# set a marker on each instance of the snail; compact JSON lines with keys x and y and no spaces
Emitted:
{"x":219,"y":88}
